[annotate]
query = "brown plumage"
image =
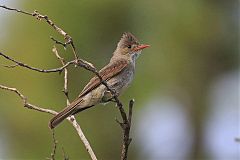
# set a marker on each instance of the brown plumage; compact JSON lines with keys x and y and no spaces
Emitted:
{"x":118,"y":74}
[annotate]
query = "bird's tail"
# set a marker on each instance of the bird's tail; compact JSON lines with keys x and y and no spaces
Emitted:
{"x":61,"y":116}
{"x":72,"y":109}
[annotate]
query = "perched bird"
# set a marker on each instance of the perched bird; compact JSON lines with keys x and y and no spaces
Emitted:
{"x":118,"y":74}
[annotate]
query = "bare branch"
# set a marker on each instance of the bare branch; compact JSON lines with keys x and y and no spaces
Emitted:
{"x":82,"y":136}
{"x":126,"y":120}
{"x":131,"y":103}
{"x":54,"y":146}
{"x":65,"y":87}
{"x":9,"y":66}
{"x":39,"y":16}
{"x":71,"y":119}
{"x":17,"y":10}
{"x":65,"y":157}
{"x":78,"y":62}
{"x":126,"y":126}
{"x":25,"y":103}
{"x":60,"y":69}
{"x":59,"y":42}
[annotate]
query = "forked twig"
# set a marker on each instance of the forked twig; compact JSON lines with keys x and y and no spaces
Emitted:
{"x":65,"y":86}
{"x":72,"y":118}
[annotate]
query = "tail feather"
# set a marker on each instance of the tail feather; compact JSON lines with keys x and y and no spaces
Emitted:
{"x":72,"y":109}
{"x":61,"y":116}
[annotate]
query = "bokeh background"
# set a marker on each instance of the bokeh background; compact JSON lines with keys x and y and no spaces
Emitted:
{"x":186,"y":85}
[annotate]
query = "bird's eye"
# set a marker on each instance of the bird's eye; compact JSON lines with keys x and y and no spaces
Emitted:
{"x":129,"y":46}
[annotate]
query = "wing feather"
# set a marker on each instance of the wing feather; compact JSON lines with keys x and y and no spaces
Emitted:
{"x":112,"y":69}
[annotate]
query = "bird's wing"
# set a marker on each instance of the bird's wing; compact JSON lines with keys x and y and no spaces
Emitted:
{"x":112,"y":69}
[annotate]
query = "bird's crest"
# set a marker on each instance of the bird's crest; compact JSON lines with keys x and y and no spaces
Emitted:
{"x":127,"y":39}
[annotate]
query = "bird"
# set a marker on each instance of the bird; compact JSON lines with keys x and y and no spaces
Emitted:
{"x":118,"y":74}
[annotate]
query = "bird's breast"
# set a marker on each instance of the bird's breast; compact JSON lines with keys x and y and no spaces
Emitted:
{"x":122,"y":80}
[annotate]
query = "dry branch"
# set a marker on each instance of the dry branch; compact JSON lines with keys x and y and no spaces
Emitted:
{"x":126,"y":120}
{"x":54,"y":146}
{"x":60,"y":69}
{"x":71,"y":119}
{"x":65,"y":86}
{"x":25,"y":102}
{"x":39,"y":16}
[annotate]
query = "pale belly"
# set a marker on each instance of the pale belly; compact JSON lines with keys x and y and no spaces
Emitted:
{"x":119,"y":83}
{"x":94,"y":97}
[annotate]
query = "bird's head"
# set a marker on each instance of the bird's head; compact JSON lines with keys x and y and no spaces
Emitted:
{"x":129,"y":46}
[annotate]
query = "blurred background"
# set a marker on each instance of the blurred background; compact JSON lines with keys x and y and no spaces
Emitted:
{"x":186,"y":85}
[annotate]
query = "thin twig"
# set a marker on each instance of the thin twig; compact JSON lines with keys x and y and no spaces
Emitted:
{"x":126,"y":126}
{"x":65,"y":86}
{"x":17,"y":10}
{"x":65,"y":157}
{"x":60,"y":69}
{"x":78,"y":62}
{"x":54,"y":145}
{"x":39,"y":16}
{"x":59,"y":42}
{"x":71,"y":119}
{"x":10,"y":66}
{"x":25,"y":103}
{"x":82,"y":136}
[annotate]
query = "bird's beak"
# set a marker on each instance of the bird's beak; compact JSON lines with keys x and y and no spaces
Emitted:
{"x":141,"y":46}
